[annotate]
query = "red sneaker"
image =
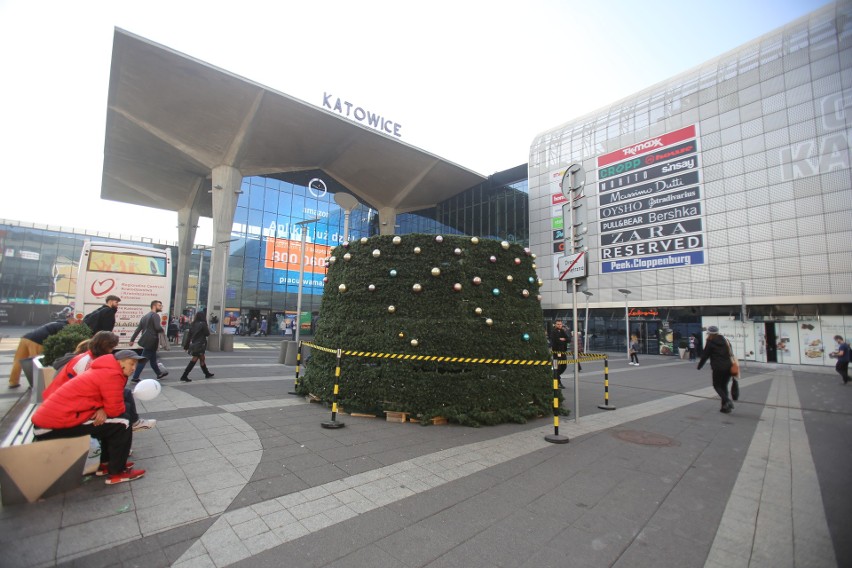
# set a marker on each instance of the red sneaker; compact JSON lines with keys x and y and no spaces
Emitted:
{"x":104,"y":469}
{"x":125,"y":476}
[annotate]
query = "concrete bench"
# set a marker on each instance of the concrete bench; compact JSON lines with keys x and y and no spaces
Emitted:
{"x":30,"y":471}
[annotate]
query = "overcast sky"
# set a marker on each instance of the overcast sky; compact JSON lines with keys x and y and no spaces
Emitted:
{"x":470,"y":81}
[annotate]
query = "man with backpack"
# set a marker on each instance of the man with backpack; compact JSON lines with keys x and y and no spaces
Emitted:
{"x":103,"y":319}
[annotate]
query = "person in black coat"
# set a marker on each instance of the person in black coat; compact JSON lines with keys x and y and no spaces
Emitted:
{"x":559,"y":343}
{"x":103,"y":319}
{"x":716,"y":350}
{"x":31,"y":345}
{"x":195,"y":343}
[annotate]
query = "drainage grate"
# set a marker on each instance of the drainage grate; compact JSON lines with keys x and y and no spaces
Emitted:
{"x":645,"y":438}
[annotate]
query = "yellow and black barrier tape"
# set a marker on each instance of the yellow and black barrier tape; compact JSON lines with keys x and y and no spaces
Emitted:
{"x":582,"y":359}
{"x":448,"y":359}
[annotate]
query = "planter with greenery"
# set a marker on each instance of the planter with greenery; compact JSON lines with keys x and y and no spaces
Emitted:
{"x":64,"y":342}
{"x":411,"y":311}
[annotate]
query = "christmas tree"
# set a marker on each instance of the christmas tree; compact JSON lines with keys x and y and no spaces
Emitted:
{"x":431,"y":325}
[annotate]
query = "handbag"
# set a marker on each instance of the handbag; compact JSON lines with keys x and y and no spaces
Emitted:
{"x":735,"y":365}
{"x":735,"y":389}
{"x":148,"y":341}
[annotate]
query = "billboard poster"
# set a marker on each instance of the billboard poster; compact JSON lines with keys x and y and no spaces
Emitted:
{"x":650,"y":204}
{"x":282,"y":257}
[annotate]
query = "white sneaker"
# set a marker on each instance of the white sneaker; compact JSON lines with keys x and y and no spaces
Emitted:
{"x":637,"y":364}
{"x":144,"y":424}
{"x":630,"y":363}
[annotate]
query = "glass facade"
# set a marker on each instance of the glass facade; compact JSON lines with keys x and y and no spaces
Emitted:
{"x":495,"y":209}
{"x":39,"y":264}
{"x":38,"y":268}
{"x":724,"y":189}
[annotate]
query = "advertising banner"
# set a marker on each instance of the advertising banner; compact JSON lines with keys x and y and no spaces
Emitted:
{"x":282,"y":257}
{"x":650,"y":207}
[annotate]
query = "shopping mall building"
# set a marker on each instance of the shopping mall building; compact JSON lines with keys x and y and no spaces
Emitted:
{"x":718,"y":197}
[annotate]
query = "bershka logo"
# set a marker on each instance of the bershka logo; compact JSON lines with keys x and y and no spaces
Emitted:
{"x":647,"y":145}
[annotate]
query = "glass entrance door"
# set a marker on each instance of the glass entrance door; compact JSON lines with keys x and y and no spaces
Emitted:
{"x":648,"y":333}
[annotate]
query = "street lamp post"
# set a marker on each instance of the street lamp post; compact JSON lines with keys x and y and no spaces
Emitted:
{"x":626,"y":321}
{"x":303,"y":227}
{"x":347,"y":203}
{"x":586,"y":325}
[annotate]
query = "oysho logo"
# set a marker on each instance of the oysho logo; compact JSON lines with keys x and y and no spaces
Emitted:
{"x":655,"y":143}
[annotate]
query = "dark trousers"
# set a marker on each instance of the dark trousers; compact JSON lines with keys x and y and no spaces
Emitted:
{"x":130,"y":407}
{"x":721,"y":379}
{"x":634,"y":358}
{"x":842,"y":367}
{"x":560,"y":367}
{"x":115,"y":436}
{"x":151,"y":355}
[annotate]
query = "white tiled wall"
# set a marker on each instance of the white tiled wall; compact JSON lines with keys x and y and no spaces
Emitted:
{"x":775,"y":129}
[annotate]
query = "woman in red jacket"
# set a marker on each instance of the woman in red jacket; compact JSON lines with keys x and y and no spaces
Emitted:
{"x":93,"y":404}
{"x":102,"y":343}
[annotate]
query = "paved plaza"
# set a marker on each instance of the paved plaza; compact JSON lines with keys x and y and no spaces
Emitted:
{"x":240,"y":473}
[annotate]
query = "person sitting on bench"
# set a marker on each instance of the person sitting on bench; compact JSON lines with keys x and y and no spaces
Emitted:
{"x":93,"y":404}
{"x":102,"y":343}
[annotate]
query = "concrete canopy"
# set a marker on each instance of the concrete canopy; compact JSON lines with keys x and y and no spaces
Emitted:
{"x":171,"y":119}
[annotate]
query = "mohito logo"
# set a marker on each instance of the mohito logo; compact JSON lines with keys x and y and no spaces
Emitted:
{"x":101,"y":287}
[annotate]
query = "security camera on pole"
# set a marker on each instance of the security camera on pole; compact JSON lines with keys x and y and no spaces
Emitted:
{"x":572,"y":266}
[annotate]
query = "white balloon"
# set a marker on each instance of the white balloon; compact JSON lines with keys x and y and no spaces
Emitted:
{"x":147,"y":389}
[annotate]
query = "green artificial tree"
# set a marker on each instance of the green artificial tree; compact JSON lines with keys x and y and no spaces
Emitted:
{"x":64,"y":342}
{"x":408,"y":310}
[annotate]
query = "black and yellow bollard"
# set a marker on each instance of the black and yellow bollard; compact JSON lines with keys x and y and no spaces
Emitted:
{"x":298,"y":366}
{"x":333,"y":423}
{"x":606,"y":405}
{"x":555,"y":438}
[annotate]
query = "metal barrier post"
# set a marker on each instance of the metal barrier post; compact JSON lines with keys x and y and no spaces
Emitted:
{"x":298,"y":366}
{"x":333,"y":423}
{"x":555,"y":438}
{"x":606,"y":405}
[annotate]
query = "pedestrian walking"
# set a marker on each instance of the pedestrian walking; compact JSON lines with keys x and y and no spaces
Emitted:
{"x":264,"y":326}
{"x":716,"y":350}
{"x":173,"y":331}
{"x":32,"y":345}
{"x":692,"y":347}
{"x":103,"y":318}
{"x":843,"y":356}
{"x":634,"y":350}
{"x":151,"y":331}
{"x":195,"y":343}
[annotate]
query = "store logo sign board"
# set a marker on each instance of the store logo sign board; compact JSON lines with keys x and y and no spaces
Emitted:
{"x":651,"y":213}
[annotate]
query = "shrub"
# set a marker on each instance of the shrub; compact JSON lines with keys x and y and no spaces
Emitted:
{"x":435,"y":322}
{"x":64,"y":342}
